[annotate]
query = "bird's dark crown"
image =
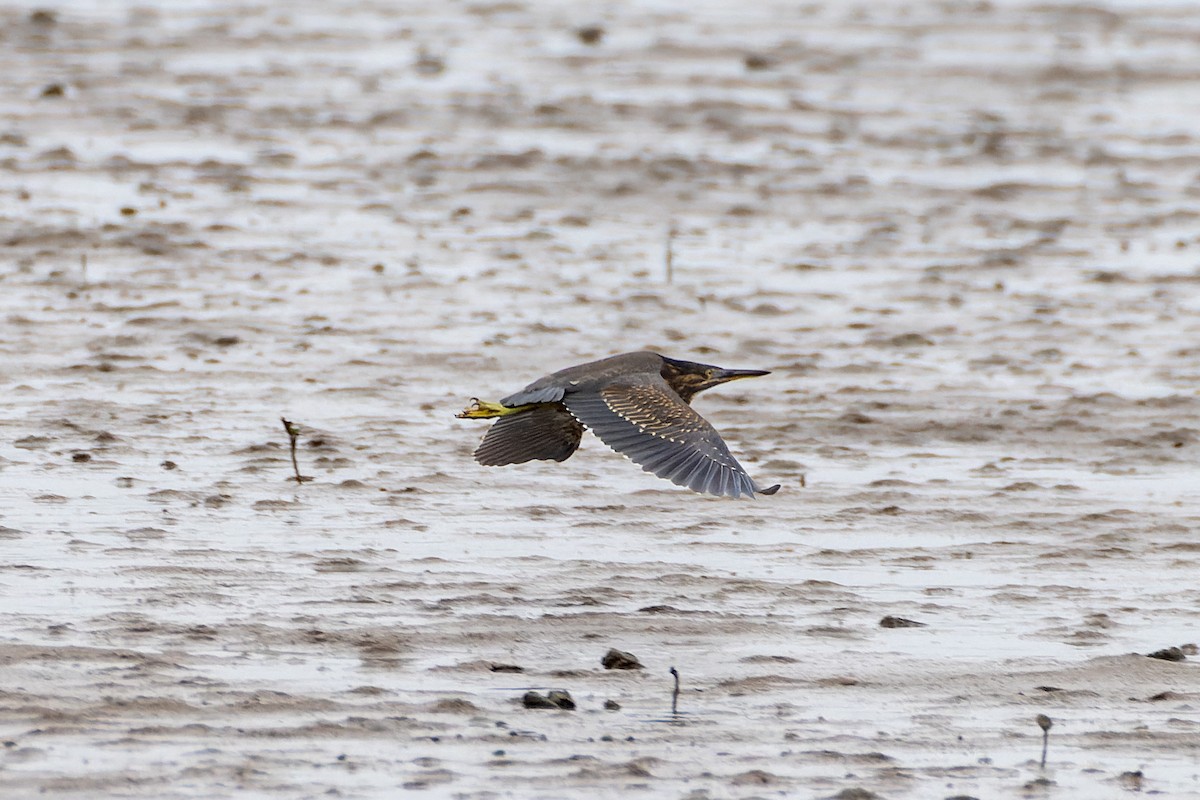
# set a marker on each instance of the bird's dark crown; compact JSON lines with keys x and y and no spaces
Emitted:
{"x":688,"y":378}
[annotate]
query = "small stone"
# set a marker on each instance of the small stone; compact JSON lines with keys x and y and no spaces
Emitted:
{"x":536,"y":700}
{"x":900,"y":622}
{"x":612,"y":705}
{"x":81,"y":458}
{"x":854,"y":794}
{"x":561,"y":699}
{"x":910,"y":340}
{"x":619,"y":659}
{"x":590,"y":34}
{"x":1169,"y":654}
{"x":755,"y":777}
{"x":758,"y":61}
{"x":505,"y":668}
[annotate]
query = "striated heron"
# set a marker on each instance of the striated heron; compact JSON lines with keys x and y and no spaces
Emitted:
{"x":637,"y":403}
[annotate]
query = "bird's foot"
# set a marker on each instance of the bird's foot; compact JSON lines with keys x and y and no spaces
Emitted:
{"x":481,"y":409}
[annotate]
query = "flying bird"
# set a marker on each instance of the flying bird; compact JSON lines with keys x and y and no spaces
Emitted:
{"x":637,"y":403}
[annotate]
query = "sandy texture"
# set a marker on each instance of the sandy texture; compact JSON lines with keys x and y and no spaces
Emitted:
{"x":962,"y":235}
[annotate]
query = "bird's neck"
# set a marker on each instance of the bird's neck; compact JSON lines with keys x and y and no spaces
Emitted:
{"x":686,"y":391}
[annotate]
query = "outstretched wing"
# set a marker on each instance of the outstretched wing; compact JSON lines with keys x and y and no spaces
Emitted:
{"x":649,"y":423}
{"x":545,"y":431}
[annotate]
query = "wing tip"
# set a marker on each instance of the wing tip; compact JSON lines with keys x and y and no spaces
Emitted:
{"x":741,"y":490}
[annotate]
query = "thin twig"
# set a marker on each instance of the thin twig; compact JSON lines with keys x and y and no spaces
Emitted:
{"x":293,"y":432}
{"x":675,"y":694}
{"x":1045,"y":723}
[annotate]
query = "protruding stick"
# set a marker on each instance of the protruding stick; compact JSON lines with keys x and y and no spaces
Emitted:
{"x":1045,"y":723}
{"x":293,"y":432}
{"x":675,"y":694}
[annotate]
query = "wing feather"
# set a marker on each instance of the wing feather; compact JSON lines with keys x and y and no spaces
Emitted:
{"x":546,"y":432}
{"x":645,"y":420}
{"x":533,"y":394}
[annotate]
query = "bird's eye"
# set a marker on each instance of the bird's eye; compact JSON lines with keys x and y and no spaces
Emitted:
{"x":708,"y":374}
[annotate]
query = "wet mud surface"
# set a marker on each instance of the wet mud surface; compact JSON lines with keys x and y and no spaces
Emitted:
{"x":963,"y":237}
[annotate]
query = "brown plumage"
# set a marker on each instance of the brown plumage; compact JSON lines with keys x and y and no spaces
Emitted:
{"x":638,"y":404}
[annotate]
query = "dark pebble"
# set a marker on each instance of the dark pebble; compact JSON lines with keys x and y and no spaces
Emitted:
{"x":618,"y":659}
{"x":561,"y":699}
{"x":536,"y":700}
{"x":1169,"y":654}
{"x":590,"y":34}
{"x":757,"y":61}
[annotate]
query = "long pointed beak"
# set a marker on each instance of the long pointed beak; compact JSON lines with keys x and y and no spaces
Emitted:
{"x":723,"y":375}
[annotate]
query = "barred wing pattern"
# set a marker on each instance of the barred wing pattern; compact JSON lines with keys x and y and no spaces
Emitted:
{"x":651,"y":425}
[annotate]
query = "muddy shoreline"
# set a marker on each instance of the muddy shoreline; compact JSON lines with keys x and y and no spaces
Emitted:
{"x":962,"y":237}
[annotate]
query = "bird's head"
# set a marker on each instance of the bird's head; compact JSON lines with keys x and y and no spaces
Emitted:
{"x":688,"y":378}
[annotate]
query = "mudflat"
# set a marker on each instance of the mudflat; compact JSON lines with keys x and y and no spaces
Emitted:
{"x":963,"y":237}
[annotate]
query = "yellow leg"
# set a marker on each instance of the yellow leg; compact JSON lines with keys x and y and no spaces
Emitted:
{"x":481,"y":409}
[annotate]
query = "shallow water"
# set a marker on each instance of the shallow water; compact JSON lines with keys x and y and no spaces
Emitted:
{"x":961,"y":236}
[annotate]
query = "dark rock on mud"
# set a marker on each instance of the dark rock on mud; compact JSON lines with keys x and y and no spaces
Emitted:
{"x":619,"y":659}
{"x":1169,"y":654}
{"x":556,"y":698}
{"x":562,"y":699}
{"x":536,"y":700}
{"x":855,"y":794}
{"x":590,"y":34}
